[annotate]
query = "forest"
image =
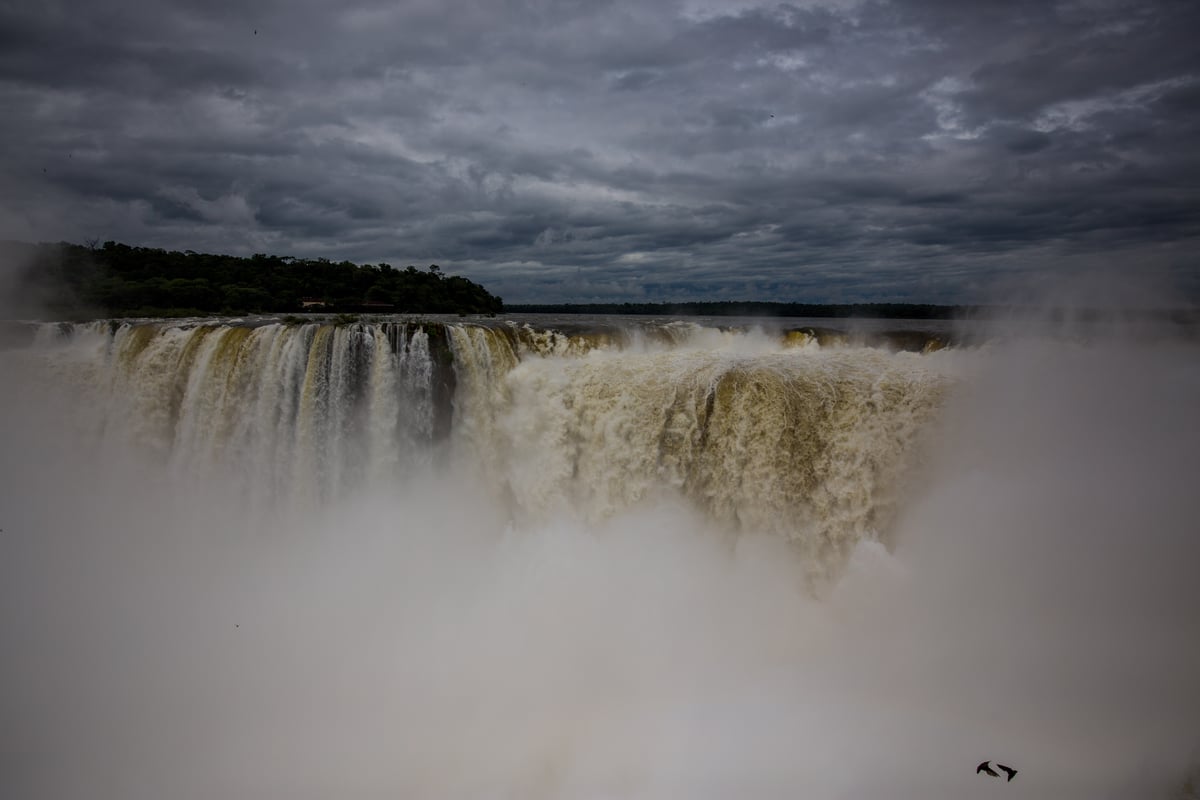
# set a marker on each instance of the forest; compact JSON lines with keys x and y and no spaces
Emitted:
{"x":70,"y":281}
{"x":754,"y":309}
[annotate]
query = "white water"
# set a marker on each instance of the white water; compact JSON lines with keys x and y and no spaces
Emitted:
{"x":178,"y":623}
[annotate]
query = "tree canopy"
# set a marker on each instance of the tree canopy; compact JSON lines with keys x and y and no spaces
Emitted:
{"x":117,"y":280}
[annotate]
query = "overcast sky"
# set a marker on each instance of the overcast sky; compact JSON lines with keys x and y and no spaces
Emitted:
{"x":596,"y":150}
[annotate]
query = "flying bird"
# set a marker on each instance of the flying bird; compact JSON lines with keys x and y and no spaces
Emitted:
{"x":1011,"y":772}
{"x":987,"y":767}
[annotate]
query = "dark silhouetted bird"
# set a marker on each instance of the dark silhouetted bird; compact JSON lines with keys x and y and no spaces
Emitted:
{"x":987,"y":767}
{"x":1011,"y":772}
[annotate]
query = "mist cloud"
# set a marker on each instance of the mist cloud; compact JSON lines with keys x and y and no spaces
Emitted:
{"x":1036,"y":606}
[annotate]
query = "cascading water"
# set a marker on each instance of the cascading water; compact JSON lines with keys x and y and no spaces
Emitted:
{"x":477,"y":559}
{"x":293,"y":410}
{"x":805,"y":443}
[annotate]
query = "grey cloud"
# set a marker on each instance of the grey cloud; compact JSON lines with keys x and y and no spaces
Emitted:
{"x":563,"y":150}
{"x":635,"y":80}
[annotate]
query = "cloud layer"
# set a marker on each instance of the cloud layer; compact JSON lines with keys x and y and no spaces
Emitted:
{"x":557,"y":150}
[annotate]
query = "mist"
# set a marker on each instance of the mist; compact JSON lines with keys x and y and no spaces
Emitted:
{"x":1036,"y":604}
{"x":34,"y":284}
{"x":17,"y":297}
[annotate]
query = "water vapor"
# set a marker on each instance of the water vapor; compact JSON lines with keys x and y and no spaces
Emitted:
{"x":1035,"y":604}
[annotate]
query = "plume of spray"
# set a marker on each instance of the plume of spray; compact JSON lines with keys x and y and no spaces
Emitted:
{"x":1037,"y":607}
{"x":34,"y":283}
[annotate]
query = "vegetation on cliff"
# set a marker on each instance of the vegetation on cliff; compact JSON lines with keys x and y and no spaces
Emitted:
{"x":117,"y":280}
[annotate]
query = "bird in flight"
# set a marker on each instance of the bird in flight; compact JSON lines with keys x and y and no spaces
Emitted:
{"x":986,"y":767}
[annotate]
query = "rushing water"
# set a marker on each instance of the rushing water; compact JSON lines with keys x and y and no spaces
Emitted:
{"x":597,"y":558}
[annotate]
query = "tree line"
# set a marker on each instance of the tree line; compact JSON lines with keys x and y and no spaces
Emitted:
{"x":117,"y":280}
{"x":754,"y":309}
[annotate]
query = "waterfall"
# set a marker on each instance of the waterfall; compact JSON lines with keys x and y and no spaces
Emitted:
{"x":599,"y":558}
{"x":764,"y":434}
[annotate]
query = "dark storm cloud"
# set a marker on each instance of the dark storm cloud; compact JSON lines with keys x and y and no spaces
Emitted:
{"x":834,"y":150}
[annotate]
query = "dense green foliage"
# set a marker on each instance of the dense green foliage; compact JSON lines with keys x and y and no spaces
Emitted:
{"x":754,"y":309}
{"x":68,"y":280}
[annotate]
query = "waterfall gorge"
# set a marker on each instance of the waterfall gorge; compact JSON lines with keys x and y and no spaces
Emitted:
{"x":456,"y":558}
{"x":767,"y":434}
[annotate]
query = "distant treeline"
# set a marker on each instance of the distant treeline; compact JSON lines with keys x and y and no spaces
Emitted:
{"x":1047,"y":314}
{"x":68,"y":280}
{"x":751,"y":309}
